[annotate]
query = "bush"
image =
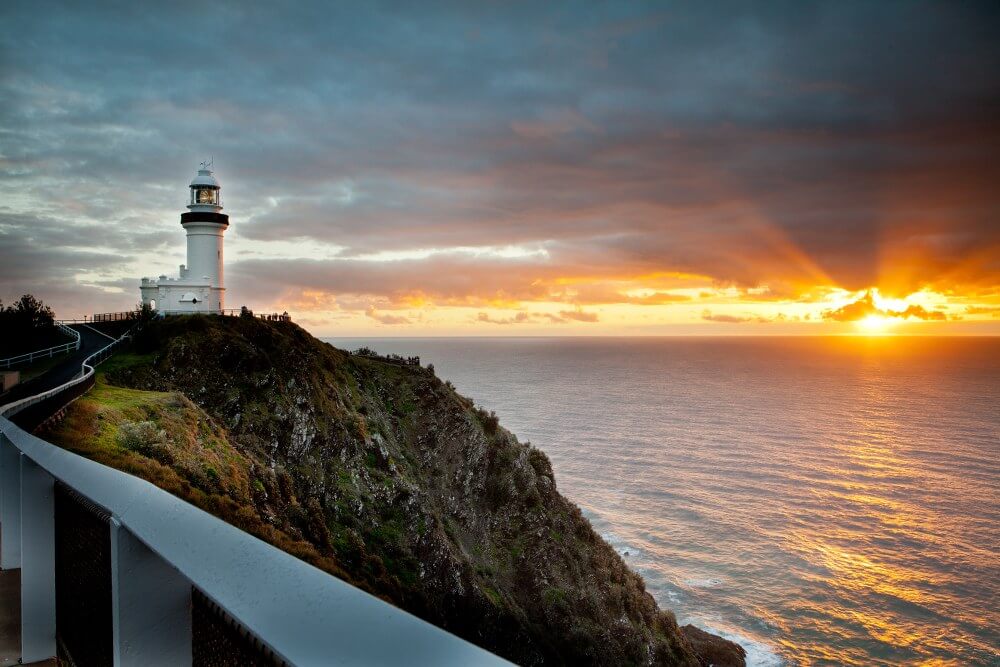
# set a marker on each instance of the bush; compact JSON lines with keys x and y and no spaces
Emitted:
{"x":145,"y":313}
{"x":27,"y":313}
{"x":489,"y":420}
{"x":141,"y":437}
{"x":27,"y":325}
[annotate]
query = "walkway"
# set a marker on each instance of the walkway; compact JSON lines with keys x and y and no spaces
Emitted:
{"x":90,"y":341}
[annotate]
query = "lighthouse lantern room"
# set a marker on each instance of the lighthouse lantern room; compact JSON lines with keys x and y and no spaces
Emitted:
{"x":200,"y":286}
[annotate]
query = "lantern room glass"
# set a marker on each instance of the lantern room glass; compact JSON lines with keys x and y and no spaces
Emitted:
{"x":209,"y":196}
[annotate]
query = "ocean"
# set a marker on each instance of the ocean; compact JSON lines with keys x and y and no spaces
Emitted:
{"x":819,"y":500}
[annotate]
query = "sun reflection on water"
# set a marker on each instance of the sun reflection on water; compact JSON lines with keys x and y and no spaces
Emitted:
{"x":891,"y":595}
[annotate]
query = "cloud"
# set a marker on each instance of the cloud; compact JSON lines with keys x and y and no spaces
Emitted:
{"x":578,"y":315}
{"x":793,"y":150}
{"x":709,"y":316}
{"x":523,"y":317}
{"x":993,"y":311}
{"x":385,"y":319}
{"x":865,"y":307}
{"x":520,"y":318}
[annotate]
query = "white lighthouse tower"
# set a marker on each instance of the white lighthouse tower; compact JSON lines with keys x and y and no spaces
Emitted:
{"x":200,"y":287}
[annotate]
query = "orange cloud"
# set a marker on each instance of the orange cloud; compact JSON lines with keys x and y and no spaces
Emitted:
{"x":578,"y":315}
{"x":520,"y":318}
{"x":865,"y":306}
{"x":385,"y":319}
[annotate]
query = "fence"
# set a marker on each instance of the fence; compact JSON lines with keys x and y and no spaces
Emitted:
{"x":126,"y":315}
{"x":129,"y":315}
{"x":153,"y":580}
{"x":246,"y":312}
{"x":47,"y":352}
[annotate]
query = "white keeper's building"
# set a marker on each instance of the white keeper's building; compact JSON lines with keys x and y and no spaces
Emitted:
{"x":200,"y":287}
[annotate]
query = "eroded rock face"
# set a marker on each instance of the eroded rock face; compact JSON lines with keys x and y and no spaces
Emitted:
{"x":712,"y":650}
{"x":408,"y":490}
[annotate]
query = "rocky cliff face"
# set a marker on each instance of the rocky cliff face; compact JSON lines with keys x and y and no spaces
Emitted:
{"x":382,"y":474}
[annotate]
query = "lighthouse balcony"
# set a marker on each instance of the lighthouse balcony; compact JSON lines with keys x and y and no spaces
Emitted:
{"x":204,"y":216}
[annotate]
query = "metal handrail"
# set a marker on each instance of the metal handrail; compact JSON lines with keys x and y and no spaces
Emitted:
{"x":47,"y":352}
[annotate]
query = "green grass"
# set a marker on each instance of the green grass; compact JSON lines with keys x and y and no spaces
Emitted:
{"x":101,"y":425}
{"x":493,"y":596}
{"x":121,"y":360}
{"x":554,"y":596}
{"x":182,"y":450}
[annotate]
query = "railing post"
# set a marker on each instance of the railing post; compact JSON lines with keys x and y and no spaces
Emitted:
{"x":150,"y":604}
{"x":38,"y":569}
{"x":10,"y":473}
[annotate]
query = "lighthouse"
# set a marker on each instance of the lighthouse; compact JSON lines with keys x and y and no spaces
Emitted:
{"x":200,"y":286}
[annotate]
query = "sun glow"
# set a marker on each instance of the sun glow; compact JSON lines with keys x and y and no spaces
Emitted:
{"x":875,"y":324}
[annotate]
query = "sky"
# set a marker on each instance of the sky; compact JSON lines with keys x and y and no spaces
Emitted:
{"x":425,"y":169}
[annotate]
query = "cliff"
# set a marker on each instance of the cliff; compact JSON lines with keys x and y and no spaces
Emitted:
{"x":380,"y":473}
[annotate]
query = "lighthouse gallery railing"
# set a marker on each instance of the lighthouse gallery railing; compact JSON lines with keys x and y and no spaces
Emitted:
{"x":173,"y":565}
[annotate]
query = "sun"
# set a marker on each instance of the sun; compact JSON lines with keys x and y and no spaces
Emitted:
{"x":875,"y":324}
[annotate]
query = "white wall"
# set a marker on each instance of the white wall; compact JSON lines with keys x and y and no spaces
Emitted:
{"x":204,"y":252}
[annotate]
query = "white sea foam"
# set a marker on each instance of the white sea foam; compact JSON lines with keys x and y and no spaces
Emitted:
{"x":703,"y":583}
{"x":624,"y":549}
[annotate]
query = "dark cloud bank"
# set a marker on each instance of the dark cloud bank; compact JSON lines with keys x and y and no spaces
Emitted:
{"x":847,"y":143}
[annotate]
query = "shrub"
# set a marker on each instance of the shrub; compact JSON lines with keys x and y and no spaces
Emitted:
{"x":489,"y":420}
{"x":141,"y":437}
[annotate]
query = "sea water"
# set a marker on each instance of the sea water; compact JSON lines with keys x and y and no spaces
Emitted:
{"x":819,"y":500}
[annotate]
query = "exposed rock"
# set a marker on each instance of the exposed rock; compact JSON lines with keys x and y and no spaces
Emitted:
{"x":712,"y":650}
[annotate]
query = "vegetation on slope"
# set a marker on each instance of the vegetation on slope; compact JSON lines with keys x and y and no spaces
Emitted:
{"x":379,"y":473}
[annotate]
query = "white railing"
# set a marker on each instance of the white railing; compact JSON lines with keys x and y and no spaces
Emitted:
{"x":69,"y":331}
{"x":162,"y":548}
{"x":86,"y":372}
{"x":47,"y":352}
